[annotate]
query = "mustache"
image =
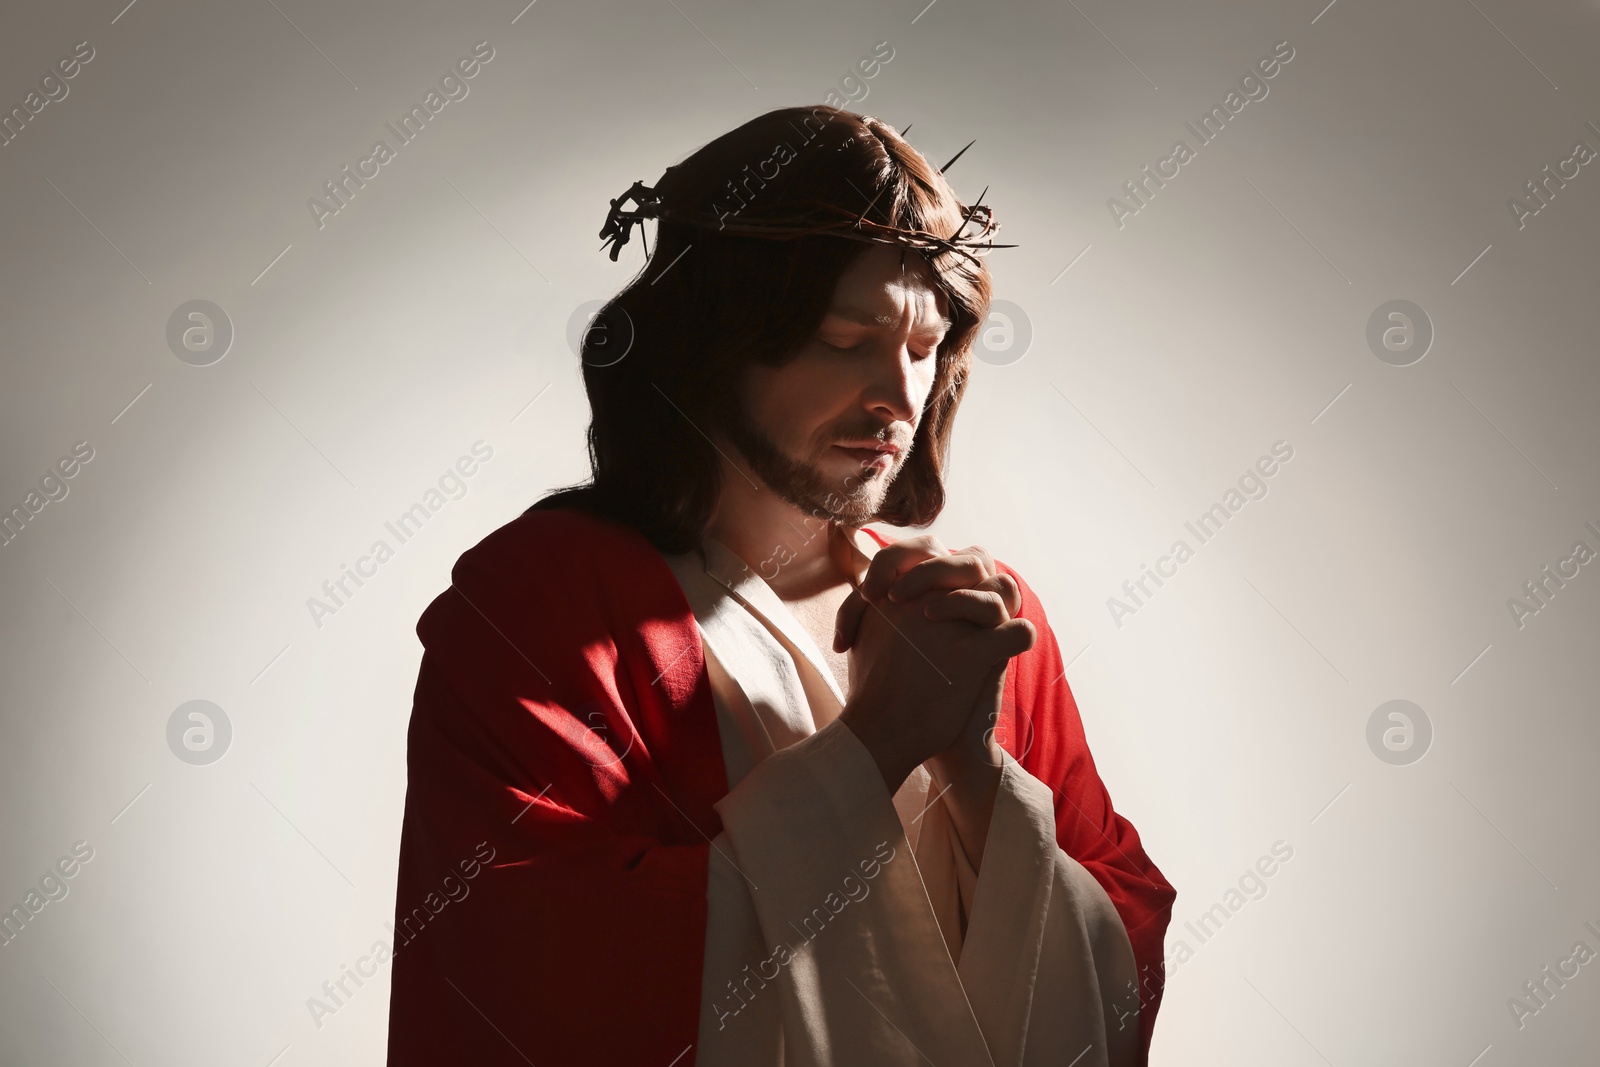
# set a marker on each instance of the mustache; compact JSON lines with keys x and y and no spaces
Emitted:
{"x":880,"y":434}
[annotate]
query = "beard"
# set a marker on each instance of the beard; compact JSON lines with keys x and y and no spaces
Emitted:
{"x":803,"y":485}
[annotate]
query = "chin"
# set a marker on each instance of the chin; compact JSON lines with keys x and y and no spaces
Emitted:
{"x":868,"y":489}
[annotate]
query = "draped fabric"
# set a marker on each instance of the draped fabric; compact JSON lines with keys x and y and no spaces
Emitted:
{"x":1041,"y":930}
{"x":565,"y":718}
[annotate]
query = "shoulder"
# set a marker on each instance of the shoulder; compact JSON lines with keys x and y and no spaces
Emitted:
{"x":564,"y":561}
{"x":551,"y":530}
{"x":558,"y":552}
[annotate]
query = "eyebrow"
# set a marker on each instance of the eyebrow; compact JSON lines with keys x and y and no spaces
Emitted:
{"x":867,"y":318}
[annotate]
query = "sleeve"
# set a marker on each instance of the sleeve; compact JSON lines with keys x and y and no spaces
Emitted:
{"x":1046,"y":954}
{"x":550,"y":908}
{"x":1046,"y":736}
{"x":739,"y":1023}
{"x":839,"y":902}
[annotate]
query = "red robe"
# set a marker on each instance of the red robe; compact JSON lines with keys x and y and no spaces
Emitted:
{"x":563,"y":760}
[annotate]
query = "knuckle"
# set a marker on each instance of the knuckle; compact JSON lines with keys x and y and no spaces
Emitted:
{"x":879,"y":572}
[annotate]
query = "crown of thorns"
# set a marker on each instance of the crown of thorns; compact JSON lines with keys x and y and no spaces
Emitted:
{"x":813,"y":217}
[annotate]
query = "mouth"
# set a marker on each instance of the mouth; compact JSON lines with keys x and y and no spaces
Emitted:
{"x":877,"y":458}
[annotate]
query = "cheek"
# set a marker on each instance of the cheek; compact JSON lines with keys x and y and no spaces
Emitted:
{"x":798,"y":402}
{"x":925,"y":380}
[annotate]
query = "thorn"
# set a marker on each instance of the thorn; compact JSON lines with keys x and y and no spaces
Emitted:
{"x":957,"y":156}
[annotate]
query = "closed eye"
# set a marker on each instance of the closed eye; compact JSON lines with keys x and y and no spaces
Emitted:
{"x":852,"y":348}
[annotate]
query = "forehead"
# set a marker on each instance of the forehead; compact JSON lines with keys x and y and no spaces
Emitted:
{"x":883,"y":283}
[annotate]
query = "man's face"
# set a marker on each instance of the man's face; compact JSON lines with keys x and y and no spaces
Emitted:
{"x":861,"y":380}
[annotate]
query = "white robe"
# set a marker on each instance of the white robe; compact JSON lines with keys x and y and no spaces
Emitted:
{"x":834,"y":931}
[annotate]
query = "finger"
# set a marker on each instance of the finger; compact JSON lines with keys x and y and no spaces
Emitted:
{"x":975,"y":565}
{"x":1010,"y":592}
{"x":894,"y":559}
{"x":945,"y":572}
{"x":1002,"y":586}
{"x":1022,"y":632}
{"x":989,"y":566}
{"x":1010,"y":638}
{"x":981,"y":607}
{"x":847,"y":620}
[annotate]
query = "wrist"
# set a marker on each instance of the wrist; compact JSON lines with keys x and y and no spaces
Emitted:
{"x":968,"y":763}
{"x":894,"y":765}
{"x":969,"y":779}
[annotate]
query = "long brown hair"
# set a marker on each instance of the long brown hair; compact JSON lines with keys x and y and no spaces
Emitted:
{"x":708,"y":303}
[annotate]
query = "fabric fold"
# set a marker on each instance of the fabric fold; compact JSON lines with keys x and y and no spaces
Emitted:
{"x":931,"y":950}
{"x":1046,"y":954}
{"x":841,"y":902}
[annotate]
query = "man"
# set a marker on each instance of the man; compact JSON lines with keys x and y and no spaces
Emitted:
{"x":762,"y":785}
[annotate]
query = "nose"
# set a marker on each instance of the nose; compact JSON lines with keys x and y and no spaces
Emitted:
{"x":896,"y":390}
{"x":900,"y":379}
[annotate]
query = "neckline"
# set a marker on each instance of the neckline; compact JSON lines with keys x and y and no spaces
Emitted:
{"x":751,"y":588}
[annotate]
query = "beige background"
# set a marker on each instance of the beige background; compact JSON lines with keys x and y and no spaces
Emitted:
{"x":1228,"y":713}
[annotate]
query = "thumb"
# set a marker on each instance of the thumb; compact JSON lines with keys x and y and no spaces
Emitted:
{"x":848,"y":620}
{"x":1010,"y":638}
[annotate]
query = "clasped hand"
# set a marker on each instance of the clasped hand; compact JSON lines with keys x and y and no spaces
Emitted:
{"x":929,"y":634}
